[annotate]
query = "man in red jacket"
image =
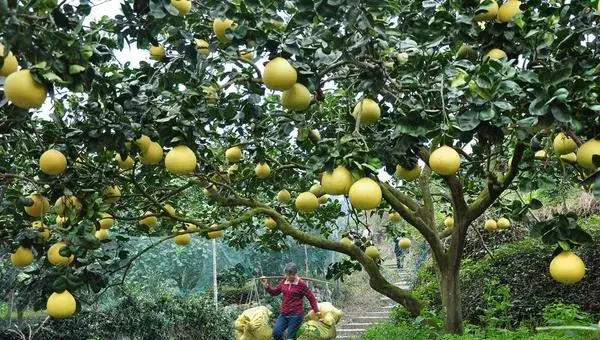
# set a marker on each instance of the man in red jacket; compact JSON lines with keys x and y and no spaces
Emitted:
{"x":294,"y":290}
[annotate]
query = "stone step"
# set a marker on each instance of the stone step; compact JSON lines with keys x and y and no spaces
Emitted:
{"x":367,"y":313}
{"x":358,"y":324}
{"x":389,"y":306}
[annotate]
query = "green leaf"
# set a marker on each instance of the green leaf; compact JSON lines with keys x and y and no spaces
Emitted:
{"x":53,"y":78}
{"x":75,"y":69}
{"x":468,"y":120}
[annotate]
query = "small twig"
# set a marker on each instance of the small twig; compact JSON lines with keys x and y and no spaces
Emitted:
{"x":483,"y":242}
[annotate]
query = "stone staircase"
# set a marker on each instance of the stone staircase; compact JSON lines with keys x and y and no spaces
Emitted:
{"x":354,"y":324}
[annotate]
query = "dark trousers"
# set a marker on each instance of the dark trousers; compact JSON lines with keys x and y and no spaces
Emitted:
{"x":292,"y":322}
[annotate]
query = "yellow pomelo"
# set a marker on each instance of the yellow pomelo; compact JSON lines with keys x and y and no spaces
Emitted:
{"x":157,"y":52}
{"x":202,"y":46}
{"x":449,"y":222}
{"x":369,"y":111}
{"x":111,"y":194}
{"x":10,"y":63}
{"x":408,"y":175}
{"x":248,"y":55}
{"x":24,"y":91}
{"x":190,"y":227}
{"x":394,"y":217}
{"x":148,"y":221}
{"x":563,"y":144}
{"x":284,"y":196}
{"x":346,"y":241}
{"x":152,"y":155}
{"x":183,"y":239}
{"x":39,"y":207}
{"x":180,"y":160}
{"x":404,"y":243}
{"x":372,"y":252}
{"x":316,"y":189}
{"x":22,"y":257}
{"x":490,"y":225}
{"x":101,"y":234}
{"x":270,"y":223}
{"x":323,"y":199}
{"x":64,"y":205}
{"x":567,"y":268}
{"x":61,"y":305}
{"x":183,"y":6}
{"x":124,"y":164}
{"x":54,"y":256}
{"x":220,"y":26}
{"x":106,"y":221}
{"x":233,"y":154}
{"x":262,"y":170}
{"x":42,"y":229}
{"x":444,"y":161}
{"x":60,"y":220}
{"x":337,"y":182}
{"x":296,"y":98}
{"x":508,"y":10}
{"x":215,"y":234}
{"x":487,"y":11}
{"x":503,"y":223}
{"x":143,"y":142}
{"x":496,"y":54}
{"x":569,"y":158}
{"x":586,"y":152}
{"x":365,"y":194}
{"x":170,"y":210}
{"x":279,"y":75}
{"x":307,"y":202}
{"x":210,"y":191}
{"x":53,"y":162}
{"x":540,"y":155}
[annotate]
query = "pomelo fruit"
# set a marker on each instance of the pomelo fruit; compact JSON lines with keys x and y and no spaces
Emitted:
{"x":365,"y":194}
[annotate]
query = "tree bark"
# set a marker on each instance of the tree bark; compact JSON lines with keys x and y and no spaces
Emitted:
{"x":451,"y":302}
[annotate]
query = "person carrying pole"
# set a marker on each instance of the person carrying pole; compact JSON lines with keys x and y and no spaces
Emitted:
{"x":294,"y":289}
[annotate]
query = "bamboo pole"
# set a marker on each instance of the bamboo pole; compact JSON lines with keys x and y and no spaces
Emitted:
{"x":281,"y":277}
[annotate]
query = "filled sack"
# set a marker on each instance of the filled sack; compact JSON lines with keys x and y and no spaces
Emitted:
{"x":253,"y":324}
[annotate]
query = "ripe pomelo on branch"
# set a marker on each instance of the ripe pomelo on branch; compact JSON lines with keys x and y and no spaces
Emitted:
{"x":262,"y":170}
{"x":152,"y":155}
{"x":540,"y":155}
{"x":248,"y":55}
{"x":503,"y":223}
{"x":444,"y":161}
{"x":202,"y":46}
{"x":10,"y":63}
{"x":143,"y":142}
{"x":404,"y":243}
{"x":53,"y":162}
{"x":486,"y":11}
{"x":106,"y":221}
{"x":270,"y":223}
{"x":365,"y":194}
{"x":61,"y":305}
{"x":183,"y":239}
{"x":220,"y":26}
{"x":307,"y":202}
{"x":279,"y":75}
{"x":180,"y":160}
{"x":316,"y":189}
{"x":449,"y":222}
{"x":183,"y":6}
{"x":567,"y":268}
{"x":42,"y":229}
{"x":569,"y":158}
{"x":296,"y":98}
{"x":148,"y":221}
{"x":24,"y":91}
{"x":337,"y":182}
{"x":66,"y":204}
{"x":125,"y":164}
{"x":170,"y":210}
{"x":369,"y":111}
{"x":111,"y":194}
{"x":233,"y":154}
{"x":586,"y":153}
{"x":54,"y":256}
{"x":157,"y":52}
{"x":284,"y":196}
{"x":346,"y":241}
{"x":323,"y":199}
{"x":101,"y":234}
{"x":394,"y":217}
{"x":214,"y":234}
{"x":563,"y":144}
{"x":372,"y":252}
{"x":508,"y":10}
{"x":496,"y":54}
{"x":408,"y":175}
{"x":39,"y":207}
{"x":22,"y":257}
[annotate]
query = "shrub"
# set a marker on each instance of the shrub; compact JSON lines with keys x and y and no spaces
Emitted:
{"x":143,"y":317}
{"x":523,"y":267}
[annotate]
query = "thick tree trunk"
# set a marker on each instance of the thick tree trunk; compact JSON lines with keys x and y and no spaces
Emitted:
{"x":451,"y":302}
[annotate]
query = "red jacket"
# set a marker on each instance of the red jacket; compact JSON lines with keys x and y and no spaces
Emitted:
{"x":293,"y":293}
